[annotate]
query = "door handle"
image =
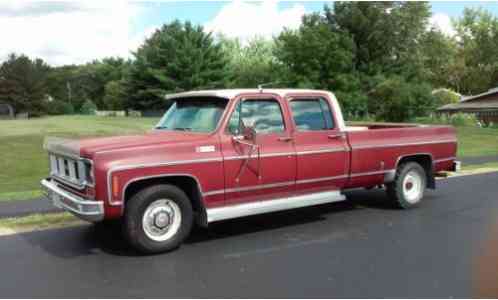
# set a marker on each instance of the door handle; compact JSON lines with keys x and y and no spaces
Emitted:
{"x":285,"y":138}
{"x":336,"y":136}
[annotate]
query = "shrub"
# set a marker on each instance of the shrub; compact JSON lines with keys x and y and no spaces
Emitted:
{"x":459,"y":119}
{"x":445,"y":96}
{"x":432,"y":119}
{"x":114,"y":95}
{"x":88,"y":108}
{"x":489,"y":125}
{"x":57,"y":107}
{"x":395,"y":99}
{"x":134,"y":113}
{"x":360,"y":118}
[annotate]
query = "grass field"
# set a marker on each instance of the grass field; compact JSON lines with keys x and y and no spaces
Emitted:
{"x":475,"y":141}
{"x":23,"y":162}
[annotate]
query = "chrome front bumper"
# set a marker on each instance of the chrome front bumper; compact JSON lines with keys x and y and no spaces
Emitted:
{"x":92,"y":211}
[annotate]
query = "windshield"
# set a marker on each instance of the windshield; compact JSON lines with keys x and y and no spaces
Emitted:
{"x":193,"y":114}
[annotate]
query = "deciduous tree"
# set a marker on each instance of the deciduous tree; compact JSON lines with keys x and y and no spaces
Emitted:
{"x":315,"y":56}
{"x":477,"y":32}
{"x":250,"y":64}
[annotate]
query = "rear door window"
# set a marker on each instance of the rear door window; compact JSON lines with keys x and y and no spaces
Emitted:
{"x":312,"y":114}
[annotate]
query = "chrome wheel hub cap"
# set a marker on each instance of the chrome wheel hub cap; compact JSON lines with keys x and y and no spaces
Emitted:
{"x":412,"y":187}
{"x":161,"y":220}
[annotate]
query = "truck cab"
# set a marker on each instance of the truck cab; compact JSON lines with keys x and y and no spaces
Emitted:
{"x":223,"y":154}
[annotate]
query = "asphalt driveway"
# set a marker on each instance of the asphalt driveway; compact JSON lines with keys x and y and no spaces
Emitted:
{"x":357,"y":248}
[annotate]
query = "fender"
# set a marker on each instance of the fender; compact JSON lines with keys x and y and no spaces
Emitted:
{"x":141,"y":166}
{"x":199,"y":187}
{"x":431,"y":183}
{"x":201,"y":213}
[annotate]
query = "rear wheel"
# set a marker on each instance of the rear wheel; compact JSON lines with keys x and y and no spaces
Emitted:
{"x":158,"y":219}
{"x":407,"y":189}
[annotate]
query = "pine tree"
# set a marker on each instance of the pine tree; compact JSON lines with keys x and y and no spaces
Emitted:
{"x":177,"y":57}
{"x":22,"y":83}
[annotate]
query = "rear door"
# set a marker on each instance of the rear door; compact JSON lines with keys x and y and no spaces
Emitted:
{"x":321,"y":148}
{"x":268,"y":170}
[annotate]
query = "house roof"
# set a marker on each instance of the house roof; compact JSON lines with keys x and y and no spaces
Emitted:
{"x":478,"y":96}
{"x":481,"y":102}
{"x":471,"y":105}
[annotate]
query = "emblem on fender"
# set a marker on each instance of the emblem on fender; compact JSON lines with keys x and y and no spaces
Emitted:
{"x":203,"y":149}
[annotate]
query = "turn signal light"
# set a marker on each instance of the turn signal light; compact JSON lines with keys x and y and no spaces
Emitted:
{"x":115,"y":187}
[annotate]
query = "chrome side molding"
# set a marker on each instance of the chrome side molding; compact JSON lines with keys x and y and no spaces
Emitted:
{"x":357,"y":147}
{"x":261,"y":207}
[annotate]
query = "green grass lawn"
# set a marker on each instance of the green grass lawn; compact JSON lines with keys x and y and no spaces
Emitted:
{"x":481,"y":167}
{"x":474,"y":141}
{"x":23,"y":162}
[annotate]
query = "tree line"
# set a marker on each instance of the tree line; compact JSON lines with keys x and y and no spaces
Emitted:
{"x":381,"y":59}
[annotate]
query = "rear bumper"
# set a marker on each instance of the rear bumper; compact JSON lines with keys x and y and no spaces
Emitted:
{"x":92,"y":211}
{"x":457,"y":166}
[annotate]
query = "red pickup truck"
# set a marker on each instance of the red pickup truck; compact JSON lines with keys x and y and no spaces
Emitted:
{"x":223,"y":154}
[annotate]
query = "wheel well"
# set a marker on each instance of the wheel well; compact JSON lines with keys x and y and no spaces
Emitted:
{"x":425,"y":160}
{"x":187,"y":184}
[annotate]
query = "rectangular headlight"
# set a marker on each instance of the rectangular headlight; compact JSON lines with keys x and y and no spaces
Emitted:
{"x":89,"y":174}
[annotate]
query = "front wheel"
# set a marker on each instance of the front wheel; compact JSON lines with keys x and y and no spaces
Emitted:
{"x":407,"y":189}
{"x":158,"y":219}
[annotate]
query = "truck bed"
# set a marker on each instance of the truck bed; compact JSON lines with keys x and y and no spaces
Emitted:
{"x":376,"y":148}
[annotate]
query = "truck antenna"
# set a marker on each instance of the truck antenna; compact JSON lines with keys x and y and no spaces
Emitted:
{"x":260,"y":86}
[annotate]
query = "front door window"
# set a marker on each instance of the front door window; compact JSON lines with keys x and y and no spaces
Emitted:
{"x":265,"y":116}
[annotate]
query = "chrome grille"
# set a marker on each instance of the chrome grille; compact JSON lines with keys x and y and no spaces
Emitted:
{"x":73,"y":171}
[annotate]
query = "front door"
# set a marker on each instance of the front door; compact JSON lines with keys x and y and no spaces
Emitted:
{"x":321,"y":148}
{"x":265,"y":168}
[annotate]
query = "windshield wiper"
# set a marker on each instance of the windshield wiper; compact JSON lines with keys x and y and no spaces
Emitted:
{"x":183,"y":128}
{"x":161,"y":127}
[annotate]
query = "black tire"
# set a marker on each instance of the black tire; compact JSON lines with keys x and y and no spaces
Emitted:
{"x":137,"y":206}
{"x":399,"y":194}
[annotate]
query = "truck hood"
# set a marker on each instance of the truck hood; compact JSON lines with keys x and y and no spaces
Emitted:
{"x":87,"y":147}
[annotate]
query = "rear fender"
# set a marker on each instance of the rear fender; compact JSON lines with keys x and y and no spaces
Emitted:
{"x":423,"y":159}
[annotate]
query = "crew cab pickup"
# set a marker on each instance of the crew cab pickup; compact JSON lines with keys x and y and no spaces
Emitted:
{"x":223,"y":154}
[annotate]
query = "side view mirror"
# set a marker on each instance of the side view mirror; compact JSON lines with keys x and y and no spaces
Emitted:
{"x":248,"y":134}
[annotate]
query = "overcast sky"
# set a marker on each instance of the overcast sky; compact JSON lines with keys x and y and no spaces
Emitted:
{"x":75,"y":32}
